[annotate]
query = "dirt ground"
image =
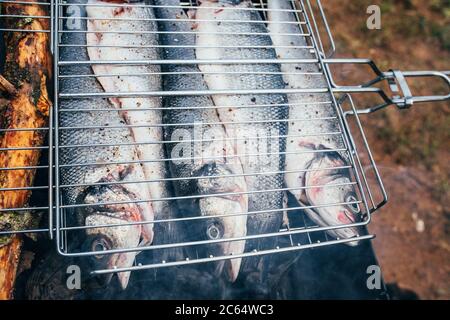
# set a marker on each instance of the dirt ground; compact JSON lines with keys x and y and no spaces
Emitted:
{"x":411,"y":147}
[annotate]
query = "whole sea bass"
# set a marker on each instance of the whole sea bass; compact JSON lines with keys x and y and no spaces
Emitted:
{"x":126,"y":33}
{"x":106,"y":175}
{"x":306,"y":136}
{"x":204,"y":157}
{"x":257,"y":120}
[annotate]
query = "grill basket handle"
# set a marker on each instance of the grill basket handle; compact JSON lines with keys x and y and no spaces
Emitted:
{"x":401,"y":95}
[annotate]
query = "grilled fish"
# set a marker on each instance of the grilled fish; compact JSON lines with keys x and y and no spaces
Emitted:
{"x":208,"y":167}
{"x":137,"y":42}
{"x":24,"y":106}
{"x":103,"y":189}
{"x":315,"y":178}
{"x":256,"y":119}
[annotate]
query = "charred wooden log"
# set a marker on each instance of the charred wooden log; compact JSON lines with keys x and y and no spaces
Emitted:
{"x":24,"y":104}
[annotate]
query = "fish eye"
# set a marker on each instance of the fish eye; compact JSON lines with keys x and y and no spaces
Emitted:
{"x":354,"y":206}
{"x":214,"y":231}
{"x":100,"y":244}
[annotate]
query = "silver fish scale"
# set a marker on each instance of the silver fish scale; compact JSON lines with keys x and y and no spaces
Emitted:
{"x":262,"y":78}
{"x":178,"y":80}
{"x":100,"y":119}
{"x":312,"y":107}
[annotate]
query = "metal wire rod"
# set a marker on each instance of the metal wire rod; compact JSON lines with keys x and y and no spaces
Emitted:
{"x":30,"y":231}
{"x":24,"y":188}
{"x":23,"y":16}
{"x":171,"y":179}
{"x":157,"y":125}
{"x":24,"y":30}
{"x":27,"y":2}
{"x":134,"y":5}
{"x":122,"y":94}
{"x":200,"y":158}
{"x":23,"y":209}
{"x":195,"y":140}
{"x":26,"y":168}
{"x":199,"y":107}
{"x":234,"y":256}
{"x":186,"y":62}
{"x":179,"y":46}
{"x":184,"y":33}
{"x":65,"y":76}
{"x":192,"y":197}
{"x":181,"y":20}
{"x":202,"y":217}
{"x":205,"y":242}
{"x":24,"y":129}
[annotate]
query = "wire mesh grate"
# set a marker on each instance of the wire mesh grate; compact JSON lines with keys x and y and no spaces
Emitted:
{"x":97,"y":161}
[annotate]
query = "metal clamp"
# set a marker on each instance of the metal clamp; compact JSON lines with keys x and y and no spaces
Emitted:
{"x":401,"y":95}
{"x":408,"y":98}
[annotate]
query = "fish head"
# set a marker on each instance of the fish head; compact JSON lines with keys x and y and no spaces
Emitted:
{"x":228,"y":212}
{"x":102,"y":240}
{"x":332,"y":195}
{"x":109,"y":218}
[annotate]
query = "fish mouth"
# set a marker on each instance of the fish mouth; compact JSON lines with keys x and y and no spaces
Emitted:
{"x":125,"y":260}
{"x":228,"y":269}
{"x":325,"y":218}
{"x":341,"y":233}
{"x":232,"y":267}
{"x":122,"y":260}
{"x":346,"y":217}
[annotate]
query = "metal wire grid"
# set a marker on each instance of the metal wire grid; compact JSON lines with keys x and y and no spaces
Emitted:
{"x":316,"y":236}
{"x":41,"y":196}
